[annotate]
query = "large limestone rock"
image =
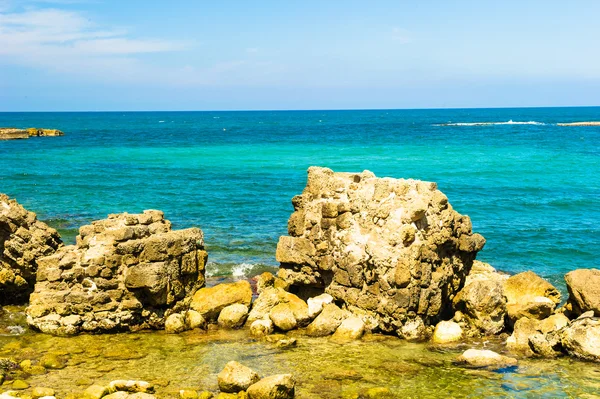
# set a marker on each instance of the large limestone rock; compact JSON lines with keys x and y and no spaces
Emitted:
{"x":285,"y":309}
{"x":482,"y":301}
{"x":582,"y":338}
{"x":210,"y":301}
{"x":391,"y":248}
{"x":537,"y":337}
{"x":584,"y":291}
{"x":23,"y":241}
{"x":529,"y":295}
{"x":447,"y":332}
{"x":127,"y":272}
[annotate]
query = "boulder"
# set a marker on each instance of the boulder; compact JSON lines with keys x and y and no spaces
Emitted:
{"x":481,"y":301}
{"x":392,"y":248}
{"x":271,"y":297}
{"x":529,"y":295}
{"x":581,"y":338}
{"x":194,"y":319}
{"x":175,"y":323}
{"x":236,"y":377}
{"x":281,"y":386}
{"x":125,"y":273}
{"x":537,"y":337}
{"x":211,"y":300}
{"x":24,"y":240}
{"x":584,"y":291}
{"x":480,"y":358}
{"x":327,"y":321}
{"x":315,"y":304}
{"x":351,"y":329}
{"x":233,"y":316}
{"x":447,"y":332}
{"x":282,"y":316}
{"x":261,"y":327}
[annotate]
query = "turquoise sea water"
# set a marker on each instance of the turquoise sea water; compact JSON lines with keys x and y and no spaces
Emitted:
{"x":533,"y":190}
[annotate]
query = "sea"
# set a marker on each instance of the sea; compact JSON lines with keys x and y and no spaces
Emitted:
{"x":531,"y":187}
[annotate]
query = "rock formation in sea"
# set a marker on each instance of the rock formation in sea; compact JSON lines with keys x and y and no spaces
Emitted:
{"x":23,"y":241}
{"x":10,"y":133}
{"x":127,"y":272}
{"x":391,"y":250}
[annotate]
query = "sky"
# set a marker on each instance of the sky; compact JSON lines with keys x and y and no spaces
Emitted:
{"x":95,"y":55}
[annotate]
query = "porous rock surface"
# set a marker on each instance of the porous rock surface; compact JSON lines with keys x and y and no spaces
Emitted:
{"x":23,"y":241}
{"x":584,"y":291}
{"x":392,"y":250}
{"x":127,"y":272}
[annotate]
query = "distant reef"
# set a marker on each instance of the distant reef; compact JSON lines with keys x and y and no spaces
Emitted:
{"x":596,"y":123}
{"x":11,"y":133}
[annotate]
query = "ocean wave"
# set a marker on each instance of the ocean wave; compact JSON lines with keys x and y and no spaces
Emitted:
{"x":236,"y":270}
{"x":510,"y":122}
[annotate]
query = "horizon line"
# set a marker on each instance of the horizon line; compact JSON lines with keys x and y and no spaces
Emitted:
{"x":312,"y":109}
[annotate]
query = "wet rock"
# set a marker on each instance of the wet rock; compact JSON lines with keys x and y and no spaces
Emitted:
{"x":233,"y":316}
{"x":19,"y":385}
{"x":261,"y":327}
{"x":175,"y":324}
{"x":315,"y":304}
{"x":391,"y":248}
{"x":236,"y":377}
{"x":194,"y":319}
{"x":39,"y":392}
{"x":282,"y":317}
{"x":351,"y":329}
{"x":378,"y":393}
{"x":327,"y":321}
{"x":281,"y":386}
{"x":53,"y":361}
{"x":37,"y":132}
{"x":584,"y":291}
{"x":125,"y":273}
{"x":414,"y":330}
{"x":117,"y":395}
{"x":482,"y":301}
{"x":532,"y":336}
{"x":206,"y":395}
{"x":210,"y":301}
{"x":446,"y":332}
{"x":95,"y":392}
{"x":529,"y":295}
{"x":23,"y":241}
{"x":188,"y":394}
{"x":485,"y":358}
{"x":581,"y":338}
{"x":132,"y":386}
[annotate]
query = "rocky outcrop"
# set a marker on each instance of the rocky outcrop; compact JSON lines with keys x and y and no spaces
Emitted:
{"x":9,"y":133}
{"x":584,"y":291}
{"x":127,"y":272}
{"x":392,"y":250}
{"x":23,"y":241}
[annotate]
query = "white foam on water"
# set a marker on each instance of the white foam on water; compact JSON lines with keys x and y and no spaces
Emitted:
{"x":161,"y":121}
{"x":510,"y":122}
{"x":15,"y":330}
{"x":241,"y":269}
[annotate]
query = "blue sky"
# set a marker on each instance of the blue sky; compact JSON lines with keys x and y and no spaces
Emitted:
{"x":198,"y":55}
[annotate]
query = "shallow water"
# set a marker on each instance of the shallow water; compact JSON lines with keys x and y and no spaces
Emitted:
{"x":322,"y":367}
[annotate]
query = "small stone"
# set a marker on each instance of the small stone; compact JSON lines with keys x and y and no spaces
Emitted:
{"x":95,"y":392}
{"x":281,"y":386}
{"x":447,"y":332}
{"x":188,"y":394}
{"x":236,"y":377}
{"x":315,"y":304}
{"x":233,"y":316}
{"x":39,"y":392}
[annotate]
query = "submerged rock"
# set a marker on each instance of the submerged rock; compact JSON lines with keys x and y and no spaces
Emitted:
{"x":125,"y":273}
{"x":236,"y":377}
{"x":23,"y":241}
{"x":281,"y":386}
{"x":392,"y":248}
{"x":479,"y":358}
{"x":584,"y":291}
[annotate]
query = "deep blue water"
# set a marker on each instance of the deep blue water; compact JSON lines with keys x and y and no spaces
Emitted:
{"x":533,"y":190}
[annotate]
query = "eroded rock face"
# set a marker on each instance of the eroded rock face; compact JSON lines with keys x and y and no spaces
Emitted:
{"x":393,"y":249}
{"x":23,"y":241}
{"x":126,"y":272}
{"x":581,"y":338}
